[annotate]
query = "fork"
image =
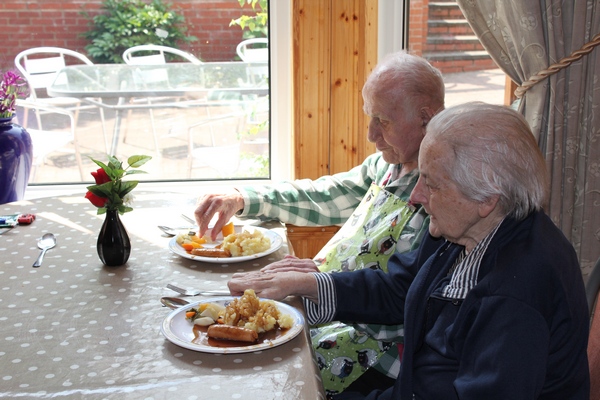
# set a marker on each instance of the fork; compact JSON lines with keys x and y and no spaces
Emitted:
{"x":186,"y":292}
{"x":188,"y":219}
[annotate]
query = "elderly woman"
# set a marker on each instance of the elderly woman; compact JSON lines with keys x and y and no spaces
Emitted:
{"x":493,"y":301}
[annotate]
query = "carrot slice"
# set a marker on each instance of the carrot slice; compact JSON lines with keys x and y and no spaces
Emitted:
{"x":190,"y":246}
{"x":199,"y":240}
{"x":228,"y":229}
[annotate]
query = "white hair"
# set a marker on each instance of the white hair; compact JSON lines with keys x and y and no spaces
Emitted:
{"x":411,"y":80}
{"x":495,"y":153}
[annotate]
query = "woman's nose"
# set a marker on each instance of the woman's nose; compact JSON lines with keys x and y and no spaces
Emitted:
{"x":417,"y":196}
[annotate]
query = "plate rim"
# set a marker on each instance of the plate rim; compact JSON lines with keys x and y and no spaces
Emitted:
{"x":167,"y":332}
{"x":177,"y":250}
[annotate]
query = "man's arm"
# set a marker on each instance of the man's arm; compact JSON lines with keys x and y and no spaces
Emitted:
{"x":329,"y":200}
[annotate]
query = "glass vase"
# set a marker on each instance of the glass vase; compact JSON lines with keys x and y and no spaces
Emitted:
{"x":16,"y":157}
{"x":113,"y":244}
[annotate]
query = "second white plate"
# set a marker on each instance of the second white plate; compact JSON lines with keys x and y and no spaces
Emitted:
{"x":276,"y":242}
{"x":179,"y":330}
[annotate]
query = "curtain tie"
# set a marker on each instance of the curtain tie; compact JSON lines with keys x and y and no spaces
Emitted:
{"x":554,"y":68}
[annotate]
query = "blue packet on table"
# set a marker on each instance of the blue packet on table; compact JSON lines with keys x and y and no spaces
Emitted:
{"x":8,"y":221}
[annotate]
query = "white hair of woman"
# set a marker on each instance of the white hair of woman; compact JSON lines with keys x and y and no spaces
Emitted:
{"x":495,"y":153}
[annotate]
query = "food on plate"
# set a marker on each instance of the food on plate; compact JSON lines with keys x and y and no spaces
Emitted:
{"x":242,"y":319}
{"x":214,"y":252}
{"x":206,"y":314}
{"x":227,"y":332}
{"x":246,"y":243}
{"x":228,"y":229}
{"x":259,"y":315}
{"x":233,"y":245}
{"x":190,"y":241}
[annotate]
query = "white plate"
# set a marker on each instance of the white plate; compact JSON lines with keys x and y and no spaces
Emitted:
{"x":276,"y":242}
{"x":179,"y":330}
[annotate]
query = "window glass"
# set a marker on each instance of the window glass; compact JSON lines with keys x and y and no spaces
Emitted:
{"x":208,"y":120}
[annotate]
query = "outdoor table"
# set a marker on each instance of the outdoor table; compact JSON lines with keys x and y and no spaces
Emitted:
{"x":184,"y":85}
{"x":74,"y":328}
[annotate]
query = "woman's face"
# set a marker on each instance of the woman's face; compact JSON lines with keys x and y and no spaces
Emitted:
{"x":452,"y":215}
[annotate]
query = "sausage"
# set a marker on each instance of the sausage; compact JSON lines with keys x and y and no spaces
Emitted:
{"x":228,"y":332}
{"x":211,"y":252}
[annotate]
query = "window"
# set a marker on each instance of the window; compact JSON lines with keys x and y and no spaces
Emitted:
{"x":227,"y":130}
{"x":439,"y":32}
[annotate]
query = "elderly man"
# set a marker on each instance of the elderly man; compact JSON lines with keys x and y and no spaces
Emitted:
{"x":401,"y":95}
{"x":492,"y":302}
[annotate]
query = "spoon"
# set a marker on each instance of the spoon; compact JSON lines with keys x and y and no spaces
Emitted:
{"x":173,"y":302}
{"x":46,"y":242}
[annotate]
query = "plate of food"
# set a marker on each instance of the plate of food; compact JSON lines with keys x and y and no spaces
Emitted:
{"x":213,"y":325}
{"x":243,"y":243}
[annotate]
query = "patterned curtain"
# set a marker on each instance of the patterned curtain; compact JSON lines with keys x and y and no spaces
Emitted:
{"x":525,"y":38}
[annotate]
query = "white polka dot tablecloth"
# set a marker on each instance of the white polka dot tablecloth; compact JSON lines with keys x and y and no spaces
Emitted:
{"x":74,"y":328}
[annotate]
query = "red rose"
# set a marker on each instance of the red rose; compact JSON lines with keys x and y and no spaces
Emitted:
{"x":96,"y":200}
{"x":100,"y":176}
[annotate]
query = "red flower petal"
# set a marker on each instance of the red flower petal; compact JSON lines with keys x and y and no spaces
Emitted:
{"x":96,"y":200}
{"x":100,"y":176}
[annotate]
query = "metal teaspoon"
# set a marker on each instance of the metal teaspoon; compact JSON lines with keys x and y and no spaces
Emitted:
{"x":46,"y":242}
{"x":173,"y":302}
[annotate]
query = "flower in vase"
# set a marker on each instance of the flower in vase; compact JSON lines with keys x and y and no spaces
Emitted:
{"x":111,"y":192}
{"x":12,"y":87}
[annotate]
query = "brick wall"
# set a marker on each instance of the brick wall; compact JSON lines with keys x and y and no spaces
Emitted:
{"x":33,"y":23}
{"x":439,"y":32}
{"x":417,"y":26}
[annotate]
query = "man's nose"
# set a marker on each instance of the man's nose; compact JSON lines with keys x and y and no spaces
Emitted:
{"x":374,"y":131}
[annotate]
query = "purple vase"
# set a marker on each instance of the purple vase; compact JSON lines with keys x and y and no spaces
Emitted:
{"x":16,"y":156}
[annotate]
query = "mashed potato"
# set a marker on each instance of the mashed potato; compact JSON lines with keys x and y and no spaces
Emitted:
{"x":246,"y":243}
{"x":259,"y":315}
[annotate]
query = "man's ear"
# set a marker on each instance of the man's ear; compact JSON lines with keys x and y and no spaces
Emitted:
{"x":426,"y":115}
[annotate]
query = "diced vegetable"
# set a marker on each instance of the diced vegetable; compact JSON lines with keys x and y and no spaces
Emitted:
{"x":228,"y":229}
{"x":190,"y":246}
{"x":204,"y":321}
{"x":199,"y":240}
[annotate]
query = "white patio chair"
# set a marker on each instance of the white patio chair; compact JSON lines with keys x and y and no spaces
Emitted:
{"x":152,"y":54}
{"x":222,"y":153}
{"x":254,"y":50}
{"x":45,"y":142}
{"x":39,"y":66}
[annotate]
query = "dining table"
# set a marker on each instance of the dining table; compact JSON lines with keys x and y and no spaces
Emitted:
{"x":75,"y":328}
{"x":162,"y":86}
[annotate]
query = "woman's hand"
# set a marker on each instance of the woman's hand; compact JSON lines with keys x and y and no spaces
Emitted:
{"x":276,"y":286}
{"x":291,"y":263}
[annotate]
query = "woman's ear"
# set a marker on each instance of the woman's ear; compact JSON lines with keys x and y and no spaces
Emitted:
{"x":487,"y":206}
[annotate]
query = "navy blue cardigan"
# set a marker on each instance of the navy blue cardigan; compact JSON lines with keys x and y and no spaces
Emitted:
{"x":521,"y":332}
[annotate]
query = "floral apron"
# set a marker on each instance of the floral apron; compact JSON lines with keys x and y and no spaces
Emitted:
{"x":366,"y":240}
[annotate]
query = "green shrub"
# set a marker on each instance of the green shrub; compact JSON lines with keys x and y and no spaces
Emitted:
{"x":254,"y":25}
{"x":128,"y":23}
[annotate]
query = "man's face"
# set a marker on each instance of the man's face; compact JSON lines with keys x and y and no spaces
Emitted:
{"x":396,"y":131}
{"x":452,"y":215}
